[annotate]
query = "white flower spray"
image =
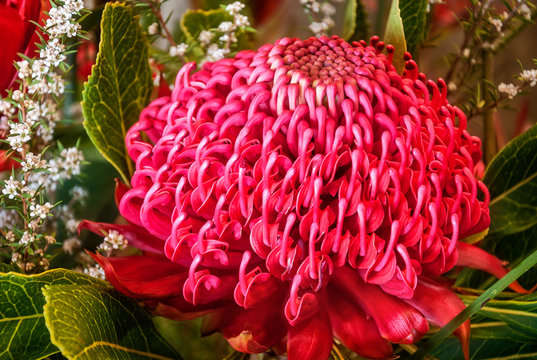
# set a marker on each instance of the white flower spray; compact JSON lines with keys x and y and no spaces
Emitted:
{"x":28,"y":116}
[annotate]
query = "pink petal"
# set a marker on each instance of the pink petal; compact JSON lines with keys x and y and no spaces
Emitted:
{"x":440,"y":306}
{"x":144,"y":277}
{"x":396,"y":321}
{"x":353,"y":328}
{"x":310,"y":339}
{"x":477,"y":258}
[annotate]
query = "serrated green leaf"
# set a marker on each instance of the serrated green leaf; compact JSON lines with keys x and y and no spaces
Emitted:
{"x":361,"y":25}
{"x":512,"y":181}
{"x":23,"y":334}
{"x":111,"y":326}
{"x":119,"y":86}
{"x":395,"y":35}
{"x":414,"y":15}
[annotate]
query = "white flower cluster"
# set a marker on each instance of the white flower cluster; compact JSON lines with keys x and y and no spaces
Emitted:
{"x":71,"y":245}
{"x":67,"y":164}
{"x":32,"y":162}
{"x":61,"y":20}
{"x":19,"y":134}
{"x":321,"y":12}
{"x":95,"y":271}
{"x":511,"y":90}
{"x":228,"y":33}
{"x":178,"y":50}
{"x":41,"y":211}
{"x":529,"y":76}
{"x":113,"y":241}
{"x":524,"y":11}
{"x":14,"y":188}
{"x":27,"y":238}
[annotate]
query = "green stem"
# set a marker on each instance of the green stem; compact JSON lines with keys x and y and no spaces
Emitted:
{"x":489,"y":135}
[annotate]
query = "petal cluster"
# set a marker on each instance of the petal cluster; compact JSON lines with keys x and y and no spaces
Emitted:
{"x":301,"y":192}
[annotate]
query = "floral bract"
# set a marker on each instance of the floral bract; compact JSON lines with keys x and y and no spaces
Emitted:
{"x":302,"y":192}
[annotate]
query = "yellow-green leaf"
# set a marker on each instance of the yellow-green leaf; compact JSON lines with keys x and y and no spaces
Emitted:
{"x":23,"y":334}
{"x":395,"y":35}
{"x":91,"y":322}
{"x":119,"y":86}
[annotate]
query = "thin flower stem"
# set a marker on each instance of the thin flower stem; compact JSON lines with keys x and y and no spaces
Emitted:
{"x":489,"y":135}
{"x":160,"y":19}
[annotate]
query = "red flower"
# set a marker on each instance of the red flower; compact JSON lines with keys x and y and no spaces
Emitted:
{"x":301,"y":192}
{"x":18,"y":34}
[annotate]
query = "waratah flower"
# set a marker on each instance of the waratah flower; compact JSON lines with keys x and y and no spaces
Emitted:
{"x":299,"y":193}
{"x":18,"y":34}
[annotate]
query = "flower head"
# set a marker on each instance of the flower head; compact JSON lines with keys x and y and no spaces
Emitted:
{"x":301,"y":192}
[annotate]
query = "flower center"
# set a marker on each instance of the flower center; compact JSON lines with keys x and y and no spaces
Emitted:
{"x":329,"y":60}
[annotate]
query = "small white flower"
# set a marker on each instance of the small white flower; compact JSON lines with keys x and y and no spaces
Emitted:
{"x":226,"y":26}
{"x":241,"y":20}
{"x":511,"y":90}
{"x":95,"y":271}
{"x":153,"y":29}
{"x":235,"y":7}
{"x":27,"y":238}
{"x":71,"y":245}
{"x":214,"y":53}
{"x":205,"y":37}
{"x":33,"y":161}
{"x":178,"y":50}
{"x":318,"y":28}
{"x":17,"y":95}
{"x":497,"y":23}
{"x":529,"y":76}
{"x":113,"y":241}
{"x":41,"y":211}
{"x":466,"y":53}
{"x":525,"y":11}
{"x":25,"y":70}
{"x":19,"y":134}
{"x":328,"y":9}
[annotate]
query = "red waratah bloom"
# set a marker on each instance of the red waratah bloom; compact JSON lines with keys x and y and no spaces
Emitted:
{"x":18,"y":34}
{"x":302,"y":192}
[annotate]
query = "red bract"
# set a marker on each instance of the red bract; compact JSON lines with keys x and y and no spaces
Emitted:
{"x":18,"y":34}
{"x":301,"y":192}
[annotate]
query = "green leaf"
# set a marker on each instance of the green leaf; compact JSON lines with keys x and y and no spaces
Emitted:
{"x":4,"y":268}
{"x":110,"y":326}
{"x":349,"y":19}
{"x":23,"y":334}
{"x":521,"y":315}
{"x":194,"y":22}
{"x":361,"y":25}
{"x":119,"y":86}
{"x":414,"y":15}
{"x":512,"y":180}
{"x":476,"y":305}
{"x":395,"y":35}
